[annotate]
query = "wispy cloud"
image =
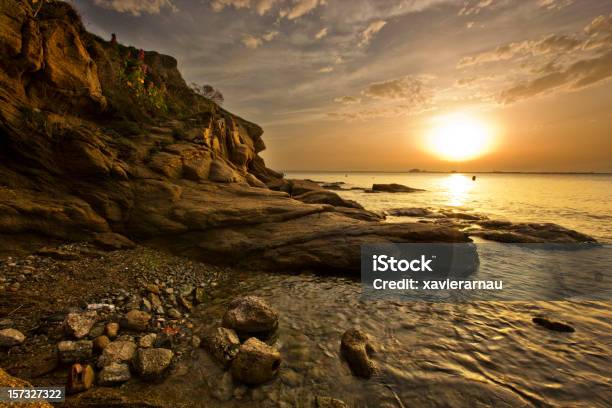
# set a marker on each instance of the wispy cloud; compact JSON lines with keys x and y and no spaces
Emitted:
{"x":251,"y":41}
{"x":260,"y":6}
{"x":370,"y":32}
{"x":136,"y":7}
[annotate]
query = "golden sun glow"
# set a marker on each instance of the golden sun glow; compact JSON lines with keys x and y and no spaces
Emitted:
{"x":459,"y":137}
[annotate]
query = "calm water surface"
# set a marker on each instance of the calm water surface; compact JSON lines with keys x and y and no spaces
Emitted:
{"x":580,"y":202}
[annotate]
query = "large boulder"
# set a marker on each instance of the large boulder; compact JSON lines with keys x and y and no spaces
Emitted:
{"x":256,"y":362}
{"x":355,"y":347}
{"x":251,"y":316}
{"x":327,"y":197}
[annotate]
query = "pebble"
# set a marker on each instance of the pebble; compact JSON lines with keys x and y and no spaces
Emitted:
{"x":113,"y":374}
{"x":11,"y":337}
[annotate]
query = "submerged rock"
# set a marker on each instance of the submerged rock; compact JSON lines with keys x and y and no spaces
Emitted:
{"x":113,"y":374}
{"x":256,"y":362}
{"x":152,"y":362}
{"x":553,"y":325}
{"x":223,"y":344}
{"x":523,"y":232}
{"x":394,"y":188}
{"x":78,"y":325}
{"x":409,"y":212}
{"x":11,"y":337}
{"x":252,"y":316}
{"x":355,"y":347}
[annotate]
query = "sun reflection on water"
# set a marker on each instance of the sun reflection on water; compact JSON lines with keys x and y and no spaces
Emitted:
{"x":458,"y":188}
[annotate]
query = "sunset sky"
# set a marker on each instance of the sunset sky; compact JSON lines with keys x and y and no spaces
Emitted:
{"x":362,"y":84}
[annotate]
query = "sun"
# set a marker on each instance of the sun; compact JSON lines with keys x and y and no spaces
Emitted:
{"x":459,"y":137}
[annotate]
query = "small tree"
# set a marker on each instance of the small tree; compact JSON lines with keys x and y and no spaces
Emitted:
{"x":208,"y":92}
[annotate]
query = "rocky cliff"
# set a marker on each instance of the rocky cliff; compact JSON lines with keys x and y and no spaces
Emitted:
{"x":97,"y":137}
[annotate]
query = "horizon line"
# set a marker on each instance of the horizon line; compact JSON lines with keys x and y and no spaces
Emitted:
{"x":606,"y":173}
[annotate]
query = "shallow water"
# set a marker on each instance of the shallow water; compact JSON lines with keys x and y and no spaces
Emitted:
{"x":429,"y":354}
{"x":580,"y":202}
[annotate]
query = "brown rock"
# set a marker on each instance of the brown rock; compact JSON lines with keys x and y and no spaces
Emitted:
{"x":12,"y":382}
{"x":111,"y":241}
{"x":355,"y":348}
{"x":152,"y":362}
{"x":118,"y":351}
{"x":136,"y":320}
{"x":78,"y":325}
{"x":80,"y":378}
{"x":394,"y":188}
{"x":11,"y":337}
{"x":252,"y":316}
{"x":111,"y":329}
{"x":100,"y":343}
{"x":256,"y":362}
{"x":223,"y":344}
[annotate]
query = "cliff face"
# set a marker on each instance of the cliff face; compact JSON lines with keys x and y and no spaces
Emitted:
{"x":97,"y":138}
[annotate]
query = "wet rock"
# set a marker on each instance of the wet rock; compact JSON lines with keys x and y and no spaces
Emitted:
{"x":78,"y":325}
{"x":69,"y":351}
{"x":153,"y":288}
{"x":256,"y":362}
{"x":409,"y":212}
{"x":355,"y":348}
{"x":136,"y":320}
{"x":327,"y":197}
{"x":251,"y":315}
{"x":553,"y":325}
{"x":113,"y":374}
{"x":111,"y":241}
{"x":111,"y":329}
{"x":100,"y":343}
{"x":223,"y":344}
{"x":328,"y":402}
{"x":147,"y":341}
{"x":118,"y":351}
{"x":394,"y":188}
{"x":173,"y":313}
{"x":507,"y":232}
{"x":80,"y":378}
{"x":152,"y":362}
{"x":11,"y":337}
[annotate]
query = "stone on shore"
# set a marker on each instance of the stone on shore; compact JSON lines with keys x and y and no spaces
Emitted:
{"x":113,"y":374}
{"x":13,"y":382}
{"x":223,"y":344}
{"x":79,"y":324}
{"x":152,"y":362}
{"x":80,"y":378}
{"x":11,"y":337}
{"x":70,"y":351}
{"x":394,"y":188}
{"x":256,"y":362}
{"x":111,"y":241}
{"x":136,"y":320}
{"x":119,"y":351}
{"x":409,"y":212}
{"x":327,"y":197}
{"x":147,"y":341}
{"x":111,"y":329}
{"x":356,"y":348}
{"x":252,"y":316}
{"x":100,"y":343}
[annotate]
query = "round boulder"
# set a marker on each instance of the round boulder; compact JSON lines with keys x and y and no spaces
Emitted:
{"x":256,"y":362}
{"x":11,"y":337}
{"x":136,"y":320}
{"x":251,"y":316}
{"x":152,"y":362}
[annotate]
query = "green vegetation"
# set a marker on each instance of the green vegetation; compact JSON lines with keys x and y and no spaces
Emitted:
{"x":134,"y":77}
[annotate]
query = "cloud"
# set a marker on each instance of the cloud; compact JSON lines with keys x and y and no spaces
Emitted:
{"x":407,"y":88}
{"x":260,"y":6}
{"x":553,"y":43}
{"x":370,"y":32}
{"x":348,"y":100}
{"x":322,"y":33}
{"x":136,"y":7}
{"x":299,"y":8}
{"x":580,"y":74}
{"x":554,"y":4}
{"x":251,"y":41}
{"x":325,"y":70}
{"x":471,"y":8}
